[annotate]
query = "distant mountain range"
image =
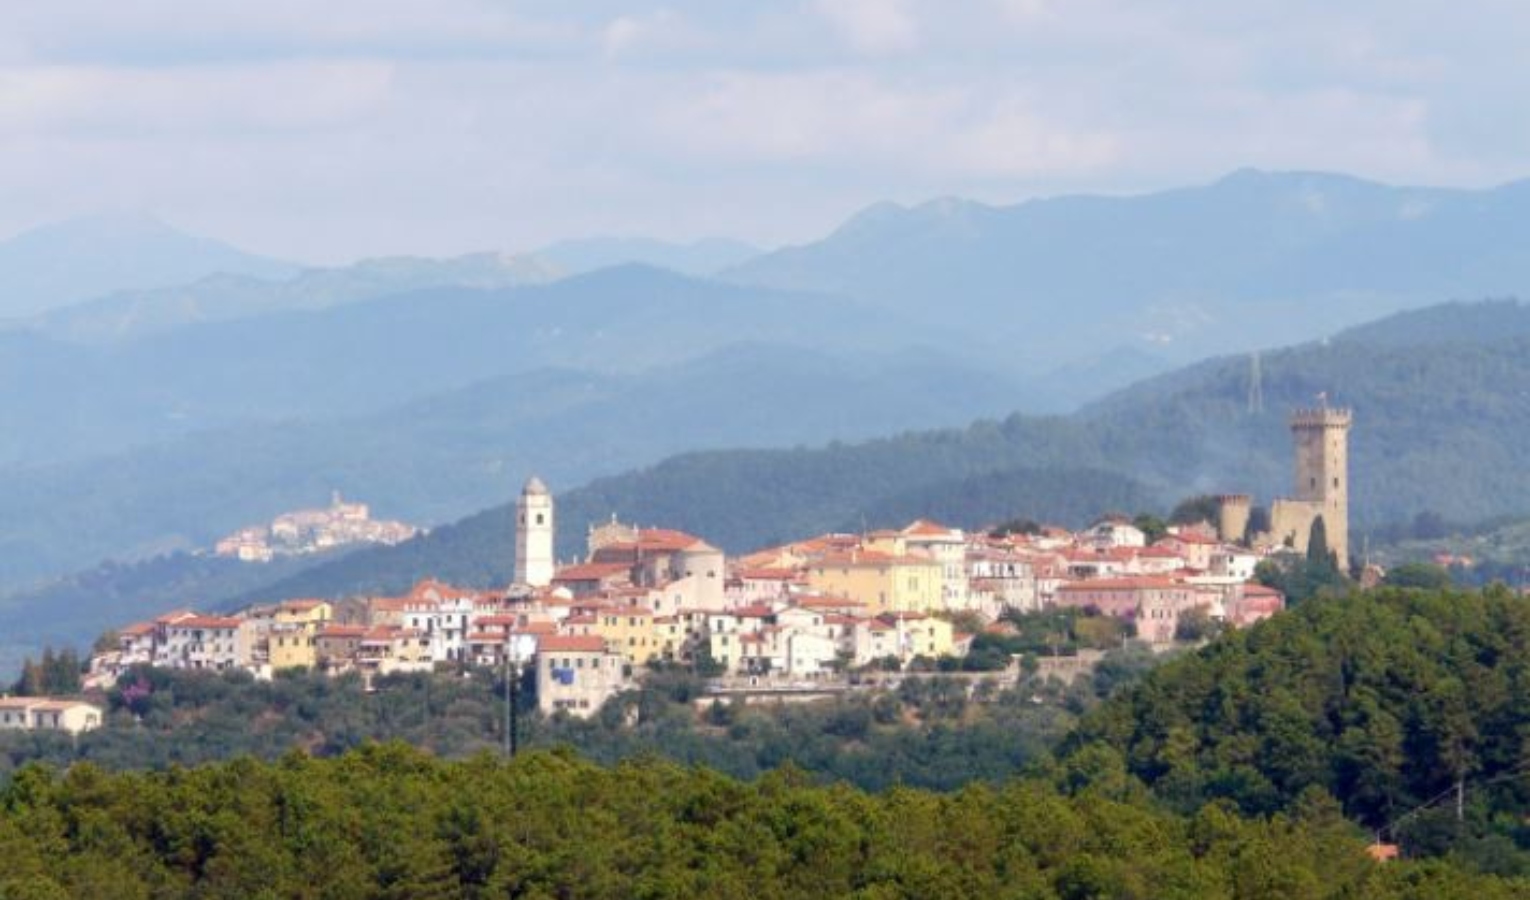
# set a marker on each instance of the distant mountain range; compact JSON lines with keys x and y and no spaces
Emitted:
{"x":68,"y":262}
{"x":128,"y":315}
{"x":700,"y":258}
{"x":62,"y":401}
{"x":1255,"y":259}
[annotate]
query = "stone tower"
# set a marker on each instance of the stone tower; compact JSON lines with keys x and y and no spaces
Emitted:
{"x":1321,"y":437}
{"x":534,"y":535}
{"x":1233,"y":512}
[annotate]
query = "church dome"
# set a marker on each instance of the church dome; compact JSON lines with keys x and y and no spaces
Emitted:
{"x":534,"y":485}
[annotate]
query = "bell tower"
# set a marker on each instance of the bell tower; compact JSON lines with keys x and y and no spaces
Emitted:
{"x":534,"y":535}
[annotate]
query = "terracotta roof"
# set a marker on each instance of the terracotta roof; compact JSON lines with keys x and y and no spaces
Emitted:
{"x":343,"y":631}
{"x":302,"y":604}
{"x":1189,"y":537}
{"x":927,"y":528}
{"x":571,"y":643}
{"x":591,"y":571}
{"x":136,"y":629}
{"x":210,"y":622}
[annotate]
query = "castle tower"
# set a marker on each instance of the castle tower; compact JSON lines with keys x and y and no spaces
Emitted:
{"x":534,"y":535}
{"x":1321,"y":437}
{"x":1233,"y":511}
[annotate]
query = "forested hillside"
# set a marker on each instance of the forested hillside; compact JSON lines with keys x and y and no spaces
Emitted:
{"x":392,"y":822}
{"x":1387,"y":700}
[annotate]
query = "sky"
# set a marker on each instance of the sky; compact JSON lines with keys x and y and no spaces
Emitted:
{"x":324,"y":132}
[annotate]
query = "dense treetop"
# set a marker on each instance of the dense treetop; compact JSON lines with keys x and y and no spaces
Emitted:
{"x":389,"y":821}
{"x":1384,"y":699}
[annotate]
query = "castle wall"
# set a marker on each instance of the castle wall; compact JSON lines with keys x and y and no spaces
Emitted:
{"x":1291,"y":523}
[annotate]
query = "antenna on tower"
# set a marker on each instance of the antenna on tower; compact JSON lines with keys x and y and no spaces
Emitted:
{"x":1255,"y":384}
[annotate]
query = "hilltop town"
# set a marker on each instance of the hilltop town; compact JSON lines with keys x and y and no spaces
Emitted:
{"x":805,"y":618}
{"x":802,"y":613}
{"x":305,"y":531}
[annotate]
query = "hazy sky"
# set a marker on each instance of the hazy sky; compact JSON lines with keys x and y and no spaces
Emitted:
{"x":328,"y":130}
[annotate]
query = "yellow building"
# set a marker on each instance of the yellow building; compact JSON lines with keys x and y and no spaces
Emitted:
{"x":629,"y":630}
{"x":884,"y":582}
{"x":922,"y":635}
{"x":291,"y":637}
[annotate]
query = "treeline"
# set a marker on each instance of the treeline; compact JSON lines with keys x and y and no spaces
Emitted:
{"x":1391,"y":701}
{"x":55,"y":672}
{"x":391,"y":821}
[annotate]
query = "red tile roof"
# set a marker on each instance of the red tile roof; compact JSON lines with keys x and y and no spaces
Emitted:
{"x":571,"y":643}
{"x":343,"y":631}
{"x":927,"y":528}
{"x":592,"y":571}
{"x":209,"y":622}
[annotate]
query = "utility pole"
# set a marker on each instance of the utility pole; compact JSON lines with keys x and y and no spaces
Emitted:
{"x":510,"y":704}
{"x":518,"y":649}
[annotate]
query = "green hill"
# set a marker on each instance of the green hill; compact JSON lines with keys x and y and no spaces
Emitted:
{"x":1385,"y":700}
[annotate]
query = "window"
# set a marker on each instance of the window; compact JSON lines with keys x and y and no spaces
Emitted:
{"x":539,"y":519}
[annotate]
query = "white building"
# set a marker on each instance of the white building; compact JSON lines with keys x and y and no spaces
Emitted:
{"x":47,"y":714}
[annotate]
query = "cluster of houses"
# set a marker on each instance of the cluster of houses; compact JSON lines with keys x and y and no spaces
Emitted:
{"x":797,"y":611}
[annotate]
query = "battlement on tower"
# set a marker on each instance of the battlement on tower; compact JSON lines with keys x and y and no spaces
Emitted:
{"x":1321,"y":418}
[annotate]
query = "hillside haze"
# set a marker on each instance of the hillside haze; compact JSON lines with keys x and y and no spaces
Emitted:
{"x":67,"y":262}
{"x":1255,"y":259}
